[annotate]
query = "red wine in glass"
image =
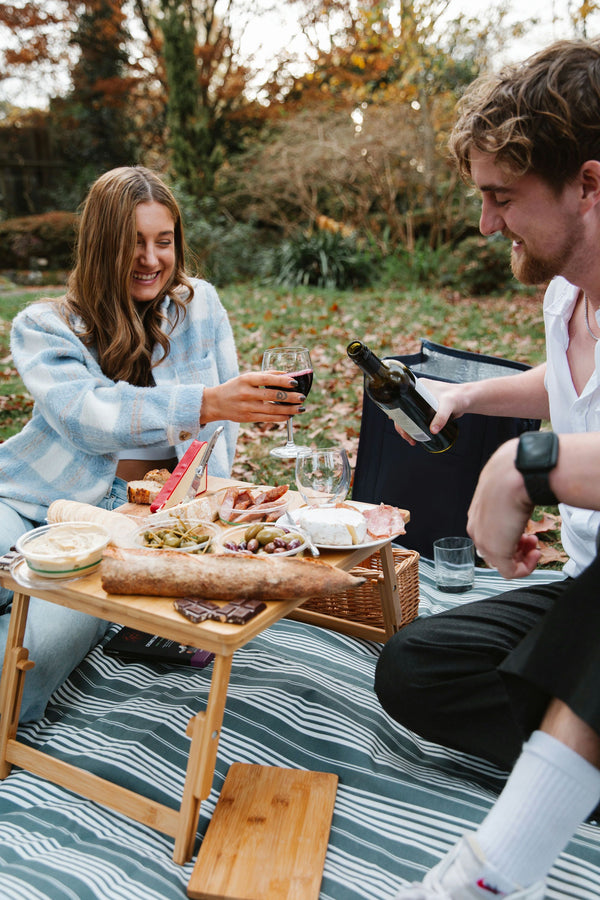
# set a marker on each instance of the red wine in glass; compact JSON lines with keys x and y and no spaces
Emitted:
{"x":304,"y":380}
{"x":297,"y":363}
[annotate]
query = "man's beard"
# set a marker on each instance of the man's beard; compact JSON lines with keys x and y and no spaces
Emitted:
{"x":529,"y":269}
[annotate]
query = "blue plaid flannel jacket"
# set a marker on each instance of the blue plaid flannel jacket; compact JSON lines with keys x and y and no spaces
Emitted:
{"x":81,"y":419}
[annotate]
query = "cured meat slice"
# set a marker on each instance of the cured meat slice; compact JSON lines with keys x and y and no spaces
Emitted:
{"x":384,"y":521}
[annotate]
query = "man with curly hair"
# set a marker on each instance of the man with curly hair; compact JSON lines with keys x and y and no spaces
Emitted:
{"x":515,"y":678}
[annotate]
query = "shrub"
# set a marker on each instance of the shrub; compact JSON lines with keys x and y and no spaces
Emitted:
{"x":49,"y":237}
{"x":477,"y":266}
{"x":223,"y":249}
{"x":323,"y":258}
{"x":410,"y":268}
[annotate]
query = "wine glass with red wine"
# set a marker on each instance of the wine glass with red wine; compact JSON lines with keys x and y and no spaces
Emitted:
{"x":296,"y":362}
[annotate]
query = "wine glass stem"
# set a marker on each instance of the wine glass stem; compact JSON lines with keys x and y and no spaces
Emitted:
{"x":290,"y":432}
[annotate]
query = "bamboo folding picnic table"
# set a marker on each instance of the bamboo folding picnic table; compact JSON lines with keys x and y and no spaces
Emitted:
{"x":155,"y":615}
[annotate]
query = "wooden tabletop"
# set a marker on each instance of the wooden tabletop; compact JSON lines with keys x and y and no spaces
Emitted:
{"x":157,"y":614}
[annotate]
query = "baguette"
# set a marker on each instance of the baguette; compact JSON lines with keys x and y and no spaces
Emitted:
{"x":165,"y":573}
{"x":119,"y":527}
{"x":161,"y":475}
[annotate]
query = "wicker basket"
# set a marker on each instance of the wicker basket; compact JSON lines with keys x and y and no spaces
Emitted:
{"x":363,"y":604}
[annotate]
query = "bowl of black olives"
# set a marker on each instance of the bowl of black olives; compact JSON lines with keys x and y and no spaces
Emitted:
{"x":262,"y":538}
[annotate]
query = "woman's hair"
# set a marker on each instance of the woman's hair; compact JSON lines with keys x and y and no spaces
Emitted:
{"x":542,"y":115}
{"x":122,"y":331}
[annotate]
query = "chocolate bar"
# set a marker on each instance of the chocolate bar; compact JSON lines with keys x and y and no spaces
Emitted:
{"x":196,"y":609}
{"x":237,"y":611}
{"x":241,"y":611}
{"x":131,"y":644}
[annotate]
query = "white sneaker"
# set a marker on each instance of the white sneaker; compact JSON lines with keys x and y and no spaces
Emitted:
{"x":464,"y":875}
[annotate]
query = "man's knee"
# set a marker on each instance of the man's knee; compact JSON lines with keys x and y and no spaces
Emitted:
{"x":401,"y":674}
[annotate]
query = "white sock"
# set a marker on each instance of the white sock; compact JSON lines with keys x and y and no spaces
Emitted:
{"x":549,"y":793}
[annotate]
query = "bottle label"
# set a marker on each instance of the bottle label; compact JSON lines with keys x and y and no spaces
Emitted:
{"x":402,"y":421}
{"x":405,"y":423}
{"x":426,"y":394}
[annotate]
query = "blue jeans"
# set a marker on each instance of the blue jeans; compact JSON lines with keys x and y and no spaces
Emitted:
{"x":57,"y":638}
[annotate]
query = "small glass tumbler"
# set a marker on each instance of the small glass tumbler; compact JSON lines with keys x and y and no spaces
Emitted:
{"x":454,"y":559}
{"x":323,"y":476}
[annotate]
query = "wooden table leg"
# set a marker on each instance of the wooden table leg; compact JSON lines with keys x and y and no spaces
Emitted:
{"x":16,"y":664}
{"x":388,"y":589}
{"x":204,"y":729}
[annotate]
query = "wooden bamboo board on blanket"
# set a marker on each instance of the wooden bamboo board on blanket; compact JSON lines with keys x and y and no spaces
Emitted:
{"x":268,"y":836}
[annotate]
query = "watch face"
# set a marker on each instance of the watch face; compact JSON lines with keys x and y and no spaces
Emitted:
{"x":537,"y":451}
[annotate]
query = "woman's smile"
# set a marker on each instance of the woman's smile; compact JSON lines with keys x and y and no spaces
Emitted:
{"x":154,"y":259}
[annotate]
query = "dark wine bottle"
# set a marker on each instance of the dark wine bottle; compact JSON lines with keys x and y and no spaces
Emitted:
{"x":393,"y":387}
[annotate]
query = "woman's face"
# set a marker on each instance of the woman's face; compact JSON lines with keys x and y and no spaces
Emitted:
{"x":154,"y":257}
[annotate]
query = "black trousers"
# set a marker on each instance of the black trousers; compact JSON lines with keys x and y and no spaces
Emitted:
{"x":479,"y":678}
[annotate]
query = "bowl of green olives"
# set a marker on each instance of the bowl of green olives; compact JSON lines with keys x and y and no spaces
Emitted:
{"x":262,"y":538}
{"x":172,"y":533}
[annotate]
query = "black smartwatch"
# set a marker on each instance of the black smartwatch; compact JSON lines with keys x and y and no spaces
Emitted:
{"x":537,"y":455}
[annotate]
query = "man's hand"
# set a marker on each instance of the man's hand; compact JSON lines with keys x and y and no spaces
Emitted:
{"x":449,"y":396}
{"x":498,"y":516}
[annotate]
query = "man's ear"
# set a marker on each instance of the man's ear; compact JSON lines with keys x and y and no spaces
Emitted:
{"x":589,"y":176}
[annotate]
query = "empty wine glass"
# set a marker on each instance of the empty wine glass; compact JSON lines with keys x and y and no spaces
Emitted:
{"x":296,"y":362}
{"x":323,"y":475}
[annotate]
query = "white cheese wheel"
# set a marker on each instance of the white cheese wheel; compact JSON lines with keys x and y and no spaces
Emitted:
{"x":333,"y":526}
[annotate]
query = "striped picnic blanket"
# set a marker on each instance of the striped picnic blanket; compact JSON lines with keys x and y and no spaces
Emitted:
{"x":300,"y":697}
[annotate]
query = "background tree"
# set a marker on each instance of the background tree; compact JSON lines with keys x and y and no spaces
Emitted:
{"x":180,"y":83}
{"x":209,"y":112}
{"x":362,"y":139}
{"x":91,"y":126}
{"x":356,"y":141}
{"x":205,"y":82}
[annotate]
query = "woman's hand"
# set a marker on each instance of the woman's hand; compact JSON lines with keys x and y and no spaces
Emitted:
{"x":247,"y":398}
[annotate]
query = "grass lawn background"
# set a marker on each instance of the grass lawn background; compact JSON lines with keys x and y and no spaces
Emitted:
{"x":390,"y":320}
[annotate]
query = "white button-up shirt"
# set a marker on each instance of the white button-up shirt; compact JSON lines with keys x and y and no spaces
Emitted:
{"x":570,"y":413}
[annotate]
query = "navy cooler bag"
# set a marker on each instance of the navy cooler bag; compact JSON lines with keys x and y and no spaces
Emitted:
{"x":435,"y":487}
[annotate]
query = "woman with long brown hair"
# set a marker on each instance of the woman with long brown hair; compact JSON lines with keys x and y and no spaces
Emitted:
{"x":128,"y":367}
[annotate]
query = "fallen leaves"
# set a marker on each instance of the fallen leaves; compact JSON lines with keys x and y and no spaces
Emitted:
{"x":548,"y":522}
{"x":547,"y":527}
{"x":551,"y":554}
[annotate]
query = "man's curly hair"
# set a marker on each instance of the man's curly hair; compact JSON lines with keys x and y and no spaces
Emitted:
{"x":541,"y":115}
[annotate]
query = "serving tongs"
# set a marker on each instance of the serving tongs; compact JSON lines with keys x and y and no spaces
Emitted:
{"x":210,"y":446}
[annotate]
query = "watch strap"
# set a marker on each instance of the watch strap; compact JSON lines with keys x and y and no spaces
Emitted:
{"x":537,"y":455}
{"x":538,"y":488}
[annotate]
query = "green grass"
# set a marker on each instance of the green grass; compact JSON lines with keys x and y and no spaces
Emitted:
{"x":391,"y":320}
{"x":15,"y":402}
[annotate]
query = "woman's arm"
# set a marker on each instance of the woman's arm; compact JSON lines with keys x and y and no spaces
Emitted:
{"x":81,"y":404}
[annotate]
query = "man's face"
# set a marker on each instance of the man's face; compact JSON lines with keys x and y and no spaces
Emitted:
{"x":545,"y":227}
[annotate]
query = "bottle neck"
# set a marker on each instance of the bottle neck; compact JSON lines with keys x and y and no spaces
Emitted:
{"x":365,"y":359}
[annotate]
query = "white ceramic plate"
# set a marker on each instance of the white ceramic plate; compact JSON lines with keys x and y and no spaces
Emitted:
{"x":364,"y":546}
